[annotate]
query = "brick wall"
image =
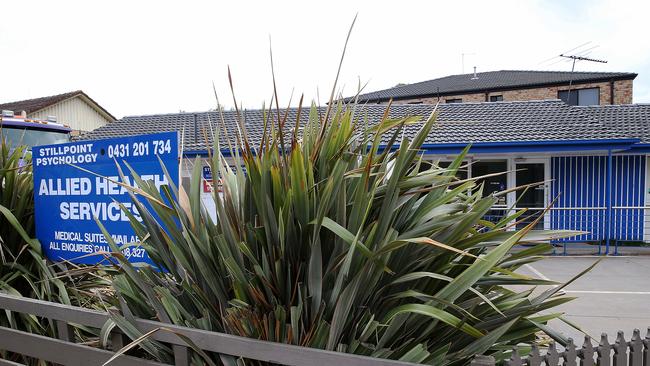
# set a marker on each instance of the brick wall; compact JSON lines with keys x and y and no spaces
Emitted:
{"x":622,"y":94}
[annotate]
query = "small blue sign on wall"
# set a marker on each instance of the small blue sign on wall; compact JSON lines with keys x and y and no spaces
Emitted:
{"x":67,"y":199}
{"x":207,"y":173}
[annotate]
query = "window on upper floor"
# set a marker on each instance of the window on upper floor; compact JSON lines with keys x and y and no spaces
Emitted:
{"x":454,"y":100}
{"x":496,"y":98}
{"x":589,"y":96}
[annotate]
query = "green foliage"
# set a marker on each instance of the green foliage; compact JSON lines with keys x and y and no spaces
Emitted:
{"x":24,"y":270}
{"x":23,"y":267}
{"x":336,"y":244}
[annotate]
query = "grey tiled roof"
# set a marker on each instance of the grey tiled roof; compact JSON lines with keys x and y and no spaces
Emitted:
{"x":461,"y":123}
{"x":632,"y":120}
{"x":492,"y":81}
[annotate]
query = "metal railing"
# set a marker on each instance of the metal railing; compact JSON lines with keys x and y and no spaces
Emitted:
{"x":636,"y":352}
{"x":65,"y":351}
{"x":592,"y":220}
{"x":628,"y":224}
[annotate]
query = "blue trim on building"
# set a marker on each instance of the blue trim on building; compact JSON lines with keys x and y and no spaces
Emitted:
{"x":202,"y":153}
{"x":504,"y":147}
{"x":640,"y":148}
{"x":532,"y":146}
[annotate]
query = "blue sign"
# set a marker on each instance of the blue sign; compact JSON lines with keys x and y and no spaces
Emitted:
{"x":68,"y":199}
{"x":207,"y":172}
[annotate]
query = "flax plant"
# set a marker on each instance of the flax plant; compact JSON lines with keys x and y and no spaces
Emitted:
{"x":335,"y":234}
{"x":24,"y":270}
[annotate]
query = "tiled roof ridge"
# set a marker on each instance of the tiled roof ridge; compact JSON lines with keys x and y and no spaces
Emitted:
{"x":174,"y":114}
{"x":569,"y":72}
{"x":479,"y":73}
{"x":55,"y":96}
{"x":360,"y":106}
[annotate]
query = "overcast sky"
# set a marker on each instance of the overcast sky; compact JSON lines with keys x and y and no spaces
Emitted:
{"x":148,"y":57}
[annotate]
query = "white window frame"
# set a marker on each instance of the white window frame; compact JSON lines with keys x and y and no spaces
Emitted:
{"x":512,"y":182}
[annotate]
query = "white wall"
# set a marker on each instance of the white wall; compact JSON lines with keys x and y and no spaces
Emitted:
{"x":74,"y":112}
{"x":206,"y":197}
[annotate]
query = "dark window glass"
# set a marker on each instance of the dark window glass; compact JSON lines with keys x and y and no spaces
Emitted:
{"x":569,"y":97}
{"x":533,"y":197}
{"x":493,"y":184}
{"x":589,"y":96}
{"x":454,"y":100}
{"x":496,"y":98}
{"x":424,"y":166}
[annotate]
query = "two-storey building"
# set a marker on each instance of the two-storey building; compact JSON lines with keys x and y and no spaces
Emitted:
{"x":575,"y":88}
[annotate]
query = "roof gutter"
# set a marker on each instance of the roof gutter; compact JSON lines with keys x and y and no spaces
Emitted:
{"x":640,"y":148}
{"x":195,"y":153}
{"x":504,"y":147}
{"x":532,"y":146}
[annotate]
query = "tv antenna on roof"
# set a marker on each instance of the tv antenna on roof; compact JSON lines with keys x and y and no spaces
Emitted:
{"x":573,"y":66}
{"x":581,"y":58}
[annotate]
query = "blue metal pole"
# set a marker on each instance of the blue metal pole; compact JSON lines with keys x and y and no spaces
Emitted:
{"x":608,"y":202}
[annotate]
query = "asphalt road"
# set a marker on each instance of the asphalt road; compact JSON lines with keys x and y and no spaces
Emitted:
{"x":615,"y":295}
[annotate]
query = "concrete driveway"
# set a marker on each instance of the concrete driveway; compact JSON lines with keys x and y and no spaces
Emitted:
{"x":615,"y":295}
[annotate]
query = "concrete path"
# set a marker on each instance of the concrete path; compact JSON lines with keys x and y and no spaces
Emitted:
{"x":615,"y":295}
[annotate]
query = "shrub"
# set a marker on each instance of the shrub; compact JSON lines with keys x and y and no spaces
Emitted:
{"x":24,"y":270}
{"x":332,"y":241}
